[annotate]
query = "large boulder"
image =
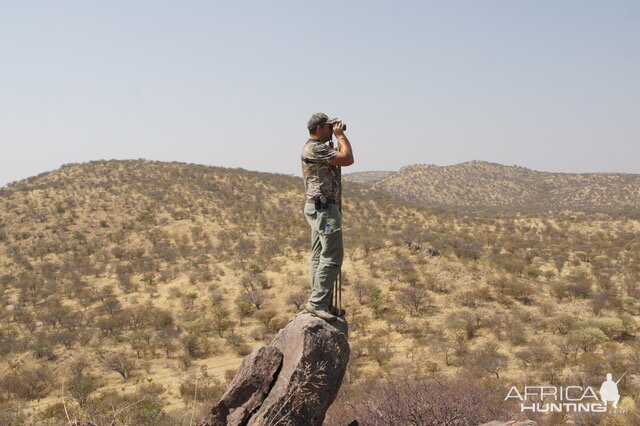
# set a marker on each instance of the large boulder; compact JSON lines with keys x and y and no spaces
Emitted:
{"x":248,"y":388}
{"x":308,"y":359}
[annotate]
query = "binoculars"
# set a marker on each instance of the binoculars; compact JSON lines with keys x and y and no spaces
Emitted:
{"x":344,"y":126}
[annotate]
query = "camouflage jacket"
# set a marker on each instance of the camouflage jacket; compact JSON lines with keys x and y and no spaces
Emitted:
{"x":319,"y":176}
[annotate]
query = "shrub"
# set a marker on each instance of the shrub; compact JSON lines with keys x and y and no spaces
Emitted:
{"x":81,"y":387}
{"x":467,"y":249}
{"x":122,"y":364}
{"x":487,"y":359}
{"x":475,"y":296}
{"x":379,"y":348}
{"x":580,"y":287}
{"x":42,"y":347}
{"x":297,"y":299}
{"x":131,"y":409}
{"x":464,"y":323}
{"x":509,"y":263}
{"x":516,"y":332}
{"x":535,"y":355}
{"x":29,"y":383}
{"x":613,"y":328}
{"x":422,"y":401}
{"x":203,"y":389}
{"x":196,"y":346}
{"x":413,"y":298}
{"x":588,"y":338}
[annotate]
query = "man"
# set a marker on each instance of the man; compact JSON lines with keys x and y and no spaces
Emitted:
{"x":321,"y":173}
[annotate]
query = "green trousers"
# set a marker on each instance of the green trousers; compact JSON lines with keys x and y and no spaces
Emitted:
{"x":326,"y":252}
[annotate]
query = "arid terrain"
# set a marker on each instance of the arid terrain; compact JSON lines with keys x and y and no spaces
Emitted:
{"x":131,"y":290}
{"x":479,"y":185}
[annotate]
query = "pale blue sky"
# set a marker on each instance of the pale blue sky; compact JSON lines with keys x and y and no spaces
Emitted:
{"x":548,"y":85}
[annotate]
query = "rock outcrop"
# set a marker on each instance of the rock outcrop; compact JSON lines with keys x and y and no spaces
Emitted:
{"x":248,"y":388}
{"x":292,"y":381}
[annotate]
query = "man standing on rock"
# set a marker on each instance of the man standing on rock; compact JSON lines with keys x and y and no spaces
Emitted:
{"x":321,"y":174}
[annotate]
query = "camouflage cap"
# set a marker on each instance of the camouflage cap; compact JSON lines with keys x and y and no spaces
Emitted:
{"x":319,"y":119}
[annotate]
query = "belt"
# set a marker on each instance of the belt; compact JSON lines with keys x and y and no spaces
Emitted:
{"x":313,"y":201}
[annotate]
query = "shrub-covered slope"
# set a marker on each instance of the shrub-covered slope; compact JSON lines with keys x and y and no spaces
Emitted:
{"x":143,"y":284}
{"x":483,"y":185}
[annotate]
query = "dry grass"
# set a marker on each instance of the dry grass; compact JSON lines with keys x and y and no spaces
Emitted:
{"x":84,"y":248}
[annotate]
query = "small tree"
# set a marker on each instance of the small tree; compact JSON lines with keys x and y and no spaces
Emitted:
{"x":413,"y":298}
{"x":189,"y":300}
{"x":81,"y":387}
{"x":221,"y":321}
{"x":487,"y":358}
{"x":379,"y":348}
{"x":29,"y":383}
{"x":297,"y":299}
{"x":265,"y":316}
{"x":244,"y":307}
{"x":464,"y":323}
{"x":140,"y":341}
{"x":376,"y":301}
{"x":196,"y":346}
{"x":258,"y":297}
{"x":166,"y":340}
{"x":441,"y":344}
{"x":361,"y":289}
{"x":588,"y":338}
{"x":42,"y":347}
{"x":121,"y":364}
{"x":110,"y":305}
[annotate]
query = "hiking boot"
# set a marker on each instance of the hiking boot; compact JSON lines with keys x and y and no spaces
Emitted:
{"x":336,"y":311}
{"x":325,"y":315}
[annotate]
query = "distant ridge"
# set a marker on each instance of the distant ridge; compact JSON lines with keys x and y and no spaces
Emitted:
{"x":367,"y":178}
{"x":481,"y":184}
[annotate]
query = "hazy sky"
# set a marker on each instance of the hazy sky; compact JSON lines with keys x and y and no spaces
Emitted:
{"x":548,"y":85}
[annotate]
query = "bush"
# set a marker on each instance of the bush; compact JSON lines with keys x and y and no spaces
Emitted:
{"x":519,"y":289}
{"x":614,"y":328}
{"x":474,"y":297}
{"x":81,"y":387}
{"x":588,"y":338}
{"x":43,"y":346}
{"x":510,"y":263}
{"x":522,"y":291}
{"x":207,"y":389}
{"x":464,"y":323}
{"x":121,"y":364}
{"x":379,"y":348}
{"x":487,"y":359}
{"x":467,"y":249}
{"x":32,"y":383}
{"x":196,"y":346}
{"x":130,"y":409}
{"x":53,"y":412}
{"x":422,"y":401}
{"x":413,"y":298}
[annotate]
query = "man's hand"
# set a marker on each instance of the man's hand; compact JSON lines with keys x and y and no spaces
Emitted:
{"x":345,"y":155}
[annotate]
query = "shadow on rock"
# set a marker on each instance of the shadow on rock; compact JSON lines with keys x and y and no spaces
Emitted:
{"x":292,"y":381}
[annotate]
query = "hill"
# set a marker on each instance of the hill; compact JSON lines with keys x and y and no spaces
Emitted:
{"x":366,"y":178}
{"x":143,"y":284}
{"x":483,"y":185}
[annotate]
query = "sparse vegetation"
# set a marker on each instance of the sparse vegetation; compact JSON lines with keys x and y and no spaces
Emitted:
{"x":156,"y":274}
